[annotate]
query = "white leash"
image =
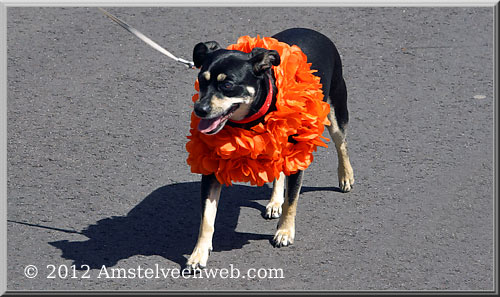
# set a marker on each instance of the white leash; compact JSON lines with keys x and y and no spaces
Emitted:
{"x":146,"y":39}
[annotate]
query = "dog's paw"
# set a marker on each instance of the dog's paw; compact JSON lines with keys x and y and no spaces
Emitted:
{"x":346,"y":179}
{"x":345,"y":185}
{"x":199,"y":258}
{"x":273,"y":210}
{"x":284,"y":237}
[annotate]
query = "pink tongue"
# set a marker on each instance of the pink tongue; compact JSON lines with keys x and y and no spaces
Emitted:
{"x":207,"y":125}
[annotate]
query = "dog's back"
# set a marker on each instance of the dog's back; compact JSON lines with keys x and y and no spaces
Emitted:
{"x":325,"y":58}
{"x":320,"y":51}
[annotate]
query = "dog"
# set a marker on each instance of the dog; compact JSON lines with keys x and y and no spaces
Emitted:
{"x":233,"y":87}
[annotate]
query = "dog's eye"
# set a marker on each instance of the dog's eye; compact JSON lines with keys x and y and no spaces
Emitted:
{"x":226,"y":86}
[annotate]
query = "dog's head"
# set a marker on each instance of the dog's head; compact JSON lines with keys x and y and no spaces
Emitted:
{"x":231,"y":83}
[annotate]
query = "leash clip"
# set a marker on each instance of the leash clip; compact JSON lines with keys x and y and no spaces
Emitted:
{"x":146,"y":39}
{"x":189,"y":64}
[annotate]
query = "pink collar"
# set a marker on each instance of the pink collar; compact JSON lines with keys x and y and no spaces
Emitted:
{"x":262,"y":111}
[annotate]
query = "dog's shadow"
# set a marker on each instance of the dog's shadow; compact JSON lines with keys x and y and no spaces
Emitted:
{"x":166,"y":224}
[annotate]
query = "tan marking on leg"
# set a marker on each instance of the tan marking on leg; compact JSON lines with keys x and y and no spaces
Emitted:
{"x":285,"y":235}
{"x":199,"y":256}
{"x":206,"y":75}
{"x":345,"y":172}
{"x":221,"y":77}
{"x":273,"y":208}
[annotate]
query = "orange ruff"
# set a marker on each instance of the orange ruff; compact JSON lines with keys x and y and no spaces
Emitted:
{"x":259,"y":155}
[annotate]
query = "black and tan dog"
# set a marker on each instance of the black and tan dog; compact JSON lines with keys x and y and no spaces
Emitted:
{"x":233,"y":86}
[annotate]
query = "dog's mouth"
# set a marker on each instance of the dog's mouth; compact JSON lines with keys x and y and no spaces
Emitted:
{"x":214,"y":125}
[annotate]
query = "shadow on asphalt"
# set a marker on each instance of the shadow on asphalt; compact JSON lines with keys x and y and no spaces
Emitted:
{"x":166,"y":224}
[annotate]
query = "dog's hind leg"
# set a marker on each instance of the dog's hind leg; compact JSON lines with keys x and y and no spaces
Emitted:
{"x":273,"y":208}
{"x":285,"y":234}
{"x":210,"y":193}
{"x":338,"y":117}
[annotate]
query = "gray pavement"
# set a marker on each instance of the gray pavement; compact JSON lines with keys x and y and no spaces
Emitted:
{"x":97,"y":124}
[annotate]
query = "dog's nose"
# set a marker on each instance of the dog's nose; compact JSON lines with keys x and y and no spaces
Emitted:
{"x":201,"y":110}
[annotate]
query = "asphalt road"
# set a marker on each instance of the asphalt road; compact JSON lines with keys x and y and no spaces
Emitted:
{"x":97,"y":124}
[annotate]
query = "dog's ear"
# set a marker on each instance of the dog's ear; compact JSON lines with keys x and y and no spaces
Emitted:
{"x":202,"y":50}
{"x":262,"y":59}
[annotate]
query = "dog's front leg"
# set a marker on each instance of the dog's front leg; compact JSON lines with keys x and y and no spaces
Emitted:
{"x":286,"y":226}
{"x":273,"y":208}
{"x":210,"y":193}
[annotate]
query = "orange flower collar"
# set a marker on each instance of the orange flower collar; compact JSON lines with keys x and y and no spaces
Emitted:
{"x":259,"y":155}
